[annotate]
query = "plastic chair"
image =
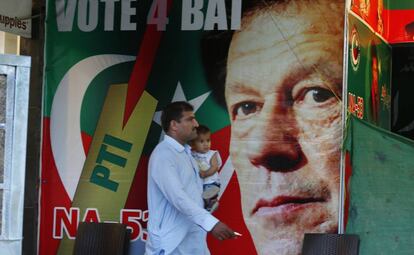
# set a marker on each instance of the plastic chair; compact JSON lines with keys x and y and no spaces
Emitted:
{"x":101,"y":239}
{"x":330,"y":244}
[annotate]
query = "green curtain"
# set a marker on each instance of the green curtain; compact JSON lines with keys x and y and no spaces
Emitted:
{"x":381,"y":189}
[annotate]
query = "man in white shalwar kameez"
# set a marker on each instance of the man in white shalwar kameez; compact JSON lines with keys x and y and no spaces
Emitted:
{"x":178,"y":223}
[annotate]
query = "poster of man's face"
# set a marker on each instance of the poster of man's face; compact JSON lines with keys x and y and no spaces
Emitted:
{"x":264,"y":75}
{"x":282,"y":90}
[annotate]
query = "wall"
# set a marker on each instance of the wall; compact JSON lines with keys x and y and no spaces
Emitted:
{"x":33,"y":47}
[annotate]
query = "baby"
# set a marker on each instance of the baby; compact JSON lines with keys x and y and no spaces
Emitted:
{"x":209,"y":162}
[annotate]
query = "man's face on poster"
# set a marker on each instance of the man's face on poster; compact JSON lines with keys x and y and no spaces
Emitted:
{"x":283,"y":89}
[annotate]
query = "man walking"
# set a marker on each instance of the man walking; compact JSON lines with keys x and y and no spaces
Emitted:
{"x":178,"y":223}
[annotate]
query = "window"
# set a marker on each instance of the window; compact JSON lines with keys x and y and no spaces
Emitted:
{"x":14,"y":87}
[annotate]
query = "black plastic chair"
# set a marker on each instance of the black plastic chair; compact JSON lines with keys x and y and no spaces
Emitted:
{"x":101,"y":239}
{"x":330,"y":244}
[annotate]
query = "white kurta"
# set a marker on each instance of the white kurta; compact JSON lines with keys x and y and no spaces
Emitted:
{"x":177,"y":220}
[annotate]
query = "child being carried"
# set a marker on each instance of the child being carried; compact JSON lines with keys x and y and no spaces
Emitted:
{"x":209,"y":162}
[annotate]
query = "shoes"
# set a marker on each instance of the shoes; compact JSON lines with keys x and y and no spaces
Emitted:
{"x":210,"y":197}
{"x":211,"y":192}
{"x":213,"y":207}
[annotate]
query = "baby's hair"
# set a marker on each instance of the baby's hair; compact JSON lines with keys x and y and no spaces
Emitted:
{"x":202,"y":129}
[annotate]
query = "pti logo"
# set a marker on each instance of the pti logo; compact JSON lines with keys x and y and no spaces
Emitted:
{"x":355,"y":49}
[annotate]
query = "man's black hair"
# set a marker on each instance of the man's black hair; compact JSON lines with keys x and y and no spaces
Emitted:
{"x":215,"y":46}
{"x":174,"y":111}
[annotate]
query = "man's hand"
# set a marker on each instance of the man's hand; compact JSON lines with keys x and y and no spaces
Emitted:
{"x":222,"y":232}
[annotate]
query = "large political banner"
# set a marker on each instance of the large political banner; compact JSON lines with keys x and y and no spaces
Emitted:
{"x":264,"y":76}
